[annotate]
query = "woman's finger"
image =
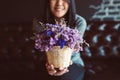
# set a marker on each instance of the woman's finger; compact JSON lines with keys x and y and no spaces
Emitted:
{"x":61,"y":72}
{"x":50,"y":69}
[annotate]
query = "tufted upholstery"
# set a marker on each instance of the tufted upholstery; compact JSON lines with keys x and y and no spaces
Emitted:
{"x":103,"y":56}
{"x":17,"y":55}
{"x":18,"y":58}
{"x":104,"y":39}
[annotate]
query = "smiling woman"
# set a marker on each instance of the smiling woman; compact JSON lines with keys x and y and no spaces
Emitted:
{"x":59,"y":7}
{"x":56,"y":11}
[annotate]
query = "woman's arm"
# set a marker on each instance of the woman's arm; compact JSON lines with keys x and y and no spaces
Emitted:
{"x":80,"y":24}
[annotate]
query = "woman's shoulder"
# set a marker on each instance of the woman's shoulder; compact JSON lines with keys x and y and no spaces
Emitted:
{"x":79,"y":18}
{"x":81,"y":23}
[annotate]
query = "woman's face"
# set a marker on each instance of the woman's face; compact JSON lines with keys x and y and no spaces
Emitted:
{"x":59,"y":7}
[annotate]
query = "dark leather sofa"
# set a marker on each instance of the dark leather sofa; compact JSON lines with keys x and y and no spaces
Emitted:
{"x":19,"y":59}
{"x":103,"y":56}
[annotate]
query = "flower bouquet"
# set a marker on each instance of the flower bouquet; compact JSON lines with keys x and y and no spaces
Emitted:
{"x":59,"y":42}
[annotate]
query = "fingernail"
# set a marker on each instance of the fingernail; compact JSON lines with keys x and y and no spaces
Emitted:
{"x":61,"y":68}
{"x":51,"y":65}
{"x":54,"y":71}
{"x":67,"y":71}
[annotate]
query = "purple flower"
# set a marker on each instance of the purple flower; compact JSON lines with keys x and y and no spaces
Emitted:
{"x":56,"y":35}
{"x":61,"y":42}
{"x":52,"y":41}
{"x":49,"y":33}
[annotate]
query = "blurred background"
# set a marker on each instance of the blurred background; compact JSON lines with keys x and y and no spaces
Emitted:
{"x":24,"y":11}
{"x":19,"y":59}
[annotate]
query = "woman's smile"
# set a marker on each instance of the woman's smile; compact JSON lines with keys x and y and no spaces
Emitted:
{"x":59,"y":8}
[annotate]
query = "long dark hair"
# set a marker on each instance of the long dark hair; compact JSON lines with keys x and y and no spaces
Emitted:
{"x":47,"y":16}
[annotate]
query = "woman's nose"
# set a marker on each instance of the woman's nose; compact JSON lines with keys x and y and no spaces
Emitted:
{"x":59,"y":2}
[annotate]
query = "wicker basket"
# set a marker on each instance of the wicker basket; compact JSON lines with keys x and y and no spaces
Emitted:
{"x":59,"y":58}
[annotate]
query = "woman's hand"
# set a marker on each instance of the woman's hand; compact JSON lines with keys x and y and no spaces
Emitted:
{"x":56,"y":72}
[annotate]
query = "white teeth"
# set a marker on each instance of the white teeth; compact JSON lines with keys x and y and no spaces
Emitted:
{"x":58,"y":9}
